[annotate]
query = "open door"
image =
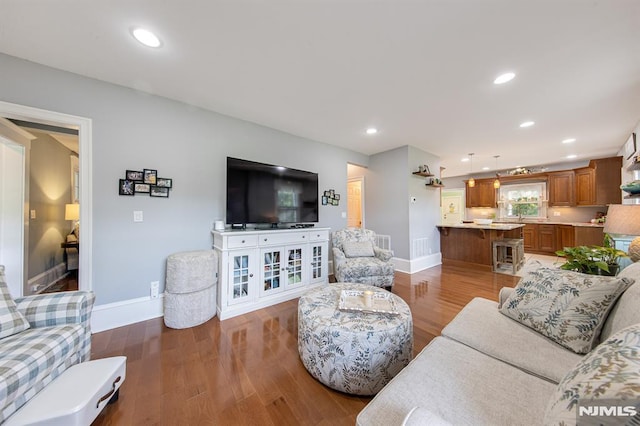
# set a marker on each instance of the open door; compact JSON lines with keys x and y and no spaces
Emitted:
{"x":14,"y":203}
{"x":355,"y":192}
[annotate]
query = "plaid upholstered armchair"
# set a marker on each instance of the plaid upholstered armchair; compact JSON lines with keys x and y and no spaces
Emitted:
{"x":40,"y":337}
{"x":357,"y":259}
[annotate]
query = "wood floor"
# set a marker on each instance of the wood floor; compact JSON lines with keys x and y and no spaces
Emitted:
{"x":246,"y":370}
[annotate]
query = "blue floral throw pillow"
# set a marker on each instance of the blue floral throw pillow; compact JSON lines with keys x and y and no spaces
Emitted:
{"x":566,"y":306}
{"x":609,"y":374}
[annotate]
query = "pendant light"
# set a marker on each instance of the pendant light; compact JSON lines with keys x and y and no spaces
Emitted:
{"x":496,"y":183}
{"x":471,"y":182}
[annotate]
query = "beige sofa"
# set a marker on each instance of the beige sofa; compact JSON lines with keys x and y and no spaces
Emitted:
{"x":487,"y":369}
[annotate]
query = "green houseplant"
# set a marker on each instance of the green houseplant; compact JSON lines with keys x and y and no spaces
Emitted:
{"x":594,"y":260}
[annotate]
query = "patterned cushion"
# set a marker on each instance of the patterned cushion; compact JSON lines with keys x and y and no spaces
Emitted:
{"x":358,"y":249}
{"x":566,"y":306}
{"x":11,"y":320}
{"x":610,"y":372}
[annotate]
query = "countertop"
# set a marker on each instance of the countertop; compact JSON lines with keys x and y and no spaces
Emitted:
{"x":496,"y":226}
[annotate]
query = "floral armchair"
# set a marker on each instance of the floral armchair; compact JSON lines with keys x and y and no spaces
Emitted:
{"x":357,"y":259}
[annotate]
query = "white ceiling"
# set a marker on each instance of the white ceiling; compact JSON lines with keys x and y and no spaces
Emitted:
{"x":419,"y":71}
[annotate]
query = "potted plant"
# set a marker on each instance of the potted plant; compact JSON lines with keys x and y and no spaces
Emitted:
{"x":594,"y":260}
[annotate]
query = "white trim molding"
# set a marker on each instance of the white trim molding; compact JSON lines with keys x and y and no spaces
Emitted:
{"x":118,"y":314}
{"x":416,"y":265}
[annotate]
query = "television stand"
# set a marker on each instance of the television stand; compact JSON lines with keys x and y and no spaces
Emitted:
{"x":260,"y":268}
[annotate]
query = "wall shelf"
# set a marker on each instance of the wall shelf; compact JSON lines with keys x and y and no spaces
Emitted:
{"x":423,"y":174}
{"x":434,"y":185}
{"x":634,"y":166}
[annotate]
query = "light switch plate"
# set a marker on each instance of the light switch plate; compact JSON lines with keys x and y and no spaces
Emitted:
{"x":137,"y":216}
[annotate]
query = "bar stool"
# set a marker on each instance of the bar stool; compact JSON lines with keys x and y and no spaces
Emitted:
{"x":508,"y":251}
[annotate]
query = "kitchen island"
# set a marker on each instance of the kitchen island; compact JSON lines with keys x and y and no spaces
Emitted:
{"x":468,"y":244}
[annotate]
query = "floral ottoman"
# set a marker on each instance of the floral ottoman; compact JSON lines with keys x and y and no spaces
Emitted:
{"x":351,"y":351}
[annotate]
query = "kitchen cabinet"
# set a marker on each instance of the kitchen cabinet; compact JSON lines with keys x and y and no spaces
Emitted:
{"x":543,"y":238}
{"x":530,"y":236}
{"x":565,"y":236}
{"x":589,"y":235}
{"x":599,"y":183}
{"x":547,"y":238}
{"x":483,"y":194}
{"x":561,"y":188}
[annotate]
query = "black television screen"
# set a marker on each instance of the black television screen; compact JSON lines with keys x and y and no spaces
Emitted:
{"x":264,"y":193}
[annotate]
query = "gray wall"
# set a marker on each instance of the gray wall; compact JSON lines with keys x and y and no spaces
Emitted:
{"x":134,"y":130}
{"x":49,"y":191}
{"x":390,"y":186}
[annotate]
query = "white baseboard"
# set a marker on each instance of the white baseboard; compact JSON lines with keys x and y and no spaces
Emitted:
{"x":415,"y":265}
{"x":119,"y":314}
{"x":48,"y":277}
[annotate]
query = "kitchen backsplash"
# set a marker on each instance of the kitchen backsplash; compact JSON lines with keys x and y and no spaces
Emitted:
{"x":567,"y":214}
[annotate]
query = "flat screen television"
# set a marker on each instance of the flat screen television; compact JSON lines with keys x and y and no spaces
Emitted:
{"x":260,"y":193}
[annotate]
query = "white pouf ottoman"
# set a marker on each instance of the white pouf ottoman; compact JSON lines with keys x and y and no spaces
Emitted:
{"x":190,"y":291}
{"x":353,"y":352}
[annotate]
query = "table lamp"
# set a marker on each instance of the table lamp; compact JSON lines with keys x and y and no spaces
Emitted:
{"x":624,"y":219}
{"x":72,"y":212}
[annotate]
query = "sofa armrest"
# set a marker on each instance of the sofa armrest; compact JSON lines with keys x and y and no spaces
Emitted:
{"x":382,"y":254}
{"x":505,"y":292}
{"x":338,"y":256}
{"x":53,"y":309}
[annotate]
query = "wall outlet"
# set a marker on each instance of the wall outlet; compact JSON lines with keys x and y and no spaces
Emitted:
{"x":33,"y":214}
{"x":556,"y":213}
{"x":137,"y":216}
{"x":155,"y":288}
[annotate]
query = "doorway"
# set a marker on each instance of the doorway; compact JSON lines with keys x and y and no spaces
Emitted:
{"x":452,"y":206}
{"x":83,"y":126}
{"x":355,"y":202}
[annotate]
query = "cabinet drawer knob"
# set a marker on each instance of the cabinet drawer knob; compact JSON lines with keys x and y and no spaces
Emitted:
{"x":242,"y":241}
{"x":250,"y":275}
{"x":265,"y":239}
{"x":303,"y":236}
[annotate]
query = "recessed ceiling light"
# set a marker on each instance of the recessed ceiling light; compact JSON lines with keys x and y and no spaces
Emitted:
{"x":485,"y":168}
{"x":372,"y":131}
{"x":572,"y":156}
{"x":527,"y":124}
{"x":570,"y":140}
{"x":503,"y":78}
{"x":146,"y":37}
{"x":465,"y":159}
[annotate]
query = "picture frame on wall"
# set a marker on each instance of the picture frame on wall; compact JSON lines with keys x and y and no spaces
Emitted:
{"x":141,"y":188}
{"x":324,"y":200}
{"x":126,"y":187}
{"x":159,"y":191}
{"x":150,"y":176}
{"x":134,"y":175}
{"x":165,"y":182}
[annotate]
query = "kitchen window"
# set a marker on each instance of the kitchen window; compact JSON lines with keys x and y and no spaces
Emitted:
{"x":523,"y":201}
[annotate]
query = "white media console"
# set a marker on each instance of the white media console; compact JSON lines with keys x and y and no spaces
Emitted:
{"x":260,"y":268}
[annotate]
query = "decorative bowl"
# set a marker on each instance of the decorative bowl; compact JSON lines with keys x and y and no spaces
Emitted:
{"x":483,"y":221}
{"x":632,"y":188}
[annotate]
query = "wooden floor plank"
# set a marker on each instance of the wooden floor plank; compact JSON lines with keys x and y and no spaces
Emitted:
{"x":246,"y":370}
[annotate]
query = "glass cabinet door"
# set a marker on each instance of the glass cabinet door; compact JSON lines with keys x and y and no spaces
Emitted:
{"x":295,"y":266}
{"x":318,"y":267}
{"x":271,"y":271}
{"x":242,"y":275}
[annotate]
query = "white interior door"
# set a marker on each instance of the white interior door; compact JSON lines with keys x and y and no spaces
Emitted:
{"x":354,"y":203}
{"x":452,"y":207}
{"x":13,"y":210}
